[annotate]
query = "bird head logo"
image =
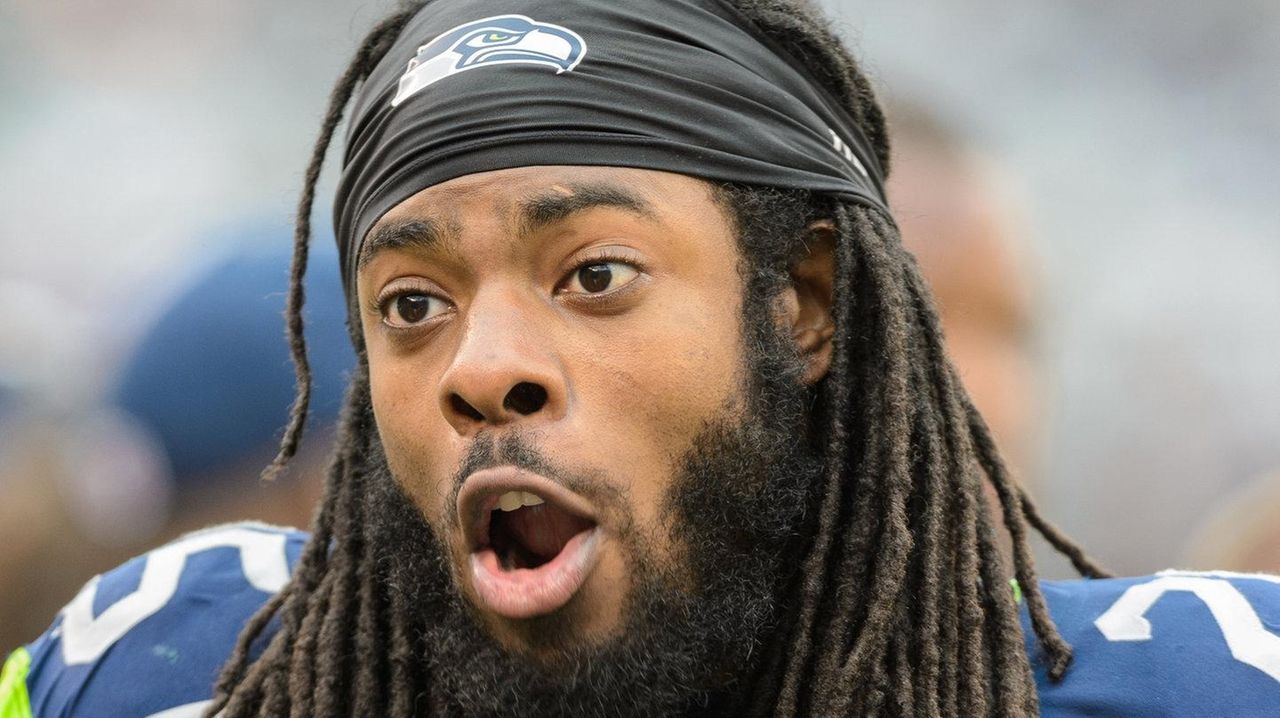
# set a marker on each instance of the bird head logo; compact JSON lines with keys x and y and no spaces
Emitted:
{"x":499,"y":40}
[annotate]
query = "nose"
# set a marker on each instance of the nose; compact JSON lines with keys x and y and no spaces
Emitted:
{"x":503,"y":372}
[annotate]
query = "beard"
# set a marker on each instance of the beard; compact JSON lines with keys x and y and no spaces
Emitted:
{"x":695,"y":626}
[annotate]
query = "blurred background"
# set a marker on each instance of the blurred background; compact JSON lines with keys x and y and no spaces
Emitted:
{"x":1092,"y":188}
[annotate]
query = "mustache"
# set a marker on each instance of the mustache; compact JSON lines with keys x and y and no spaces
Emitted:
{"x":518,"y":449}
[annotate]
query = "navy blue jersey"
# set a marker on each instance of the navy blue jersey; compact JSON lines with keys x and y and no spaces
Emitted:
{"x":1174,"y":645}
{"x":147,"y":640}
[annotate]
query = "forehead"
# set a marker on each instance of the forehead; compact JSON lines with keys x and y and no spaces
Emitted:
{"x":527,"y":198}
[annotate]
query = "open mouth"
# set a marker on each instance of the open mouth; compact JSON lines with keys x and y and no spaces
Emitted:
{"x":526,"y":532}
{"x":532,"y":542}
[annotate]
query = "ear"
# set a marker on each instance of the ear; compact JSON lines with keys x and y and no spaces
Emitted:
{"x":806,"y":303}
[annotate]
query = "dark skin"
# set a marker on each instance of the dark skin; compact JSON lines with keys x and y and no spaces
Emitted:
{"x":618,"y":292}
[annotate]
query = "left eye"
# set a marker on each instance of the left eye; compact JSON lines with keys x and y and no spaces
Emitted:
{"x":496,"y":37}
{"x":411,"y":309}
{"x":598,"y":277}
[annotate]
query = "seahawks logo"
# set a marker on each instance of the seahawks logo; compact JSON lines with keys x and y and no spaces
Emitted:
{"x":499,"y":40}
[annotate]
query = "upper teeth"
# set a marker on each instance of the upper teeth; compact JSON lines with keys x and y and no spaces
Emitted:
{"x":513,"y":500}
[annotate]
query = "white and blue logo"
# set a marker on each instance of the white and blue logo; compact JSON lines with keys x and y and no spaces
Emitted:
{"x":499,"y":40}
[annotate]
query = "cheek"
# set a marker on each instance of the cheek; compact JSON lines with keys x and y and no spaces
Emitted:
{"x":684,"y":362}
{"x":415,"y":436}
{"x":648,"y":391}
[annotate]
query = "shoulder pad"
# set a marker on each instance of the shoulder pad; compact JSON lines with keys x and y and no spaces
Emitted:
{"x":149,"y":638}
{"x":1177,"y":644}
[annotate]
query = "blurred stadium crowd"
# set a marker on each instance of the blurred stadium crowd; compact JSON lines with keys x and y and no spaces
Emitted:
{"x":1093,"y":216}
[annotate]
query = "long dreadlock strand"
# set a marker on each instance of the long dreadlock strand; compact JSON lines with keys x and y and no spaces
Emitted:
{"x":284,"y":603}
{"x":833,"y":643}
{"x":371,"y":49}
{"x":964,"y":582}
{"x":283,"y":676}
{"x":1014,"y":683}
{"x":877,"y":585}
{"x":997,"y":601}
{"x":1015,"y":515}
{"x":932,"y":577}
{"x":814,"y":569}
{"x":1081,"y":561}
{"x":334,"y":635}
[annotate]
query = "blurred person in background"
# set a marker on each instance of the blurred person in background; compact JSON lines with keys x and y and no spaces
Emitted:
{"x":44,"y":553}
{"x":1241,"y":532}
{"x":210,"y":378}
{"x":960,"y":217}
{"x":180,"y":440}
{"x":962,"y":221}
{"x":29,"y":511}
{"x":47,"y":549}
{"x":80,"y":490}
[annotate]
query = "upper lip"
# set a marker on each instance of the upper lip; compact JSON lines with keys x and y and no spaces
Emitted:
{"x":480,"y":492}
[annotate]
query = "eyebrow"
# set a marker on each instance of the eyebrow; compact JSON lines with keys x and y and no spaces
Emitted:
{"x":547,"y":208}
{"x":417,"y":234}
{"x":535,"y":213}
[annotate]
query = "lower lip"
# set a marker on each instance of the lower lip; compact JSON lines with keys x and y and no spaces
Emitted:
{"x":529,"y":592}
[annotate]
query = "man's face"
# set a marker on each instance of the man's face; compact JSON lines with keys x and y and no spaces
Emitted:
{"x":594,"y":314}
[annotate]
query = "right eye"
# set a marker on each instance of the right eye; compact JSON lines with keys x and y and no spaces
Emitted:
{"x":411,"y":309}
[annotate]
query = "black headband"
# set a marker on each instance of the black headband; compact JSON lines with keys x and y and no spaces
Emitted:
{"x":686,"y":86}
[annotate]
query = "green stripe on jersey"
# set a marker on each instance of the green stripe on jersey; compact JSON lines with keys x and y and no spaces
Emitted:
{"x":13,"y":686}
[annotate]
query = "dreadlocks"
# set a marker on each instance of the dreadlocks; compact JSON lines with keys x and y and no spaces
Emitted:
{"x":901,"y":605}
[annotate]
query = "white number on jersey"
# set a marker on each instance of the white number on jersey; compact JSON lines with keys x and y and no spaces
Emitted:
{"x":85,"y":638}
{"x":1249,"y":641}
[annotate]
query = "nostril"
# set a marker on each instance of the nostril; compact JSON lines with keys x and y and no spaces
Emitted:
{"x":525,"y":398}
{"x":461,"y":406}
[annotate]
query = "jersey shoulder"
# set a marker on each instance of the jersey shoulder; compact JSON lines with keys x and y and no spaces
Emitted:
{"x":1176,"y":644}
{"x":149,"y":637}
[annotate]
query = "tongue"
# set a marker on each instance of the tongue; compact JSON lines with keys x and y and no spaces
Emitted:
{"x":543,"y":530}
